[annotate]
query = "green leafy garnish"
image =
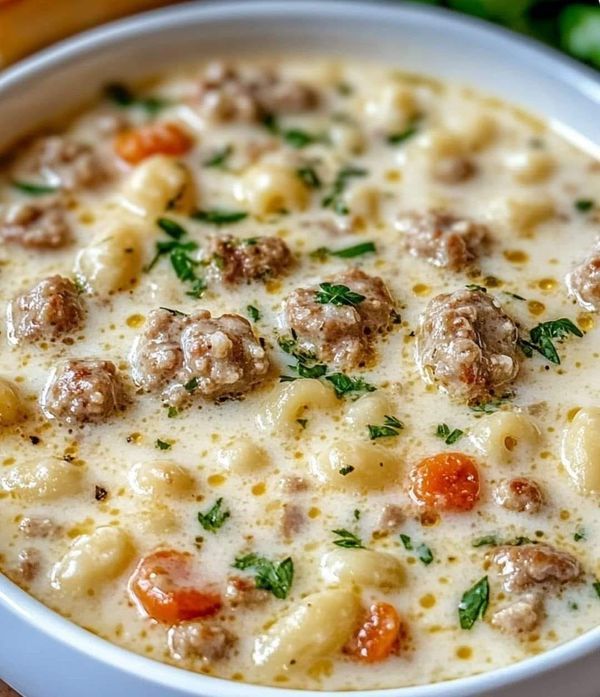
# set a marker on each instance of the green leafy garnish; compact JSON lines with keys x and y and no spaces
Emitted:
{"x":123,"y":96}
{"x":356,"y":514}
{"x":583,"y":205}
{"x":474,"y":286}
{"x":402,"y":136}
{"x":191,"y":385}
{"x":337,"y":294}
{"x":596,"y":587}
{"x":448,"y":436}
{"x":162,"y":445}
{"x":345,"y":385}
{"x":276,"y":577}
{"x":33,"y":189}
{"x":425,"y":554}
{"x":541,"y":338}
{"x":306,"y":366}
{"x":484,"y":541}
{"x":513,"y":295}
{"x":302,"y":422}
{"x":346,"y":470}
{"x":348,"y":540}
{"x":392,"y":427}
{"x":334,"y":198}
{"x":474,"y":603}
{"x":487,"y":407}
{"x":345,"y":253}
{"x":253,"y":313}
{"x":580,"y":534}
{"x":407,"y":542}
{"x":219,"y":159}
{"x":297,"y":138}
{"x":172,"y":228}
{"x":309,"y":176}
{"x":218,"y":216}
{"x":214,"y":518}
{"x":172,"y":412}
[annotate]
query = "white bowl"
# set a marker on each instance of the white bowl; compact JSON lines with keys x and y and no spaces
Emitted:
{"x":44,"y":655}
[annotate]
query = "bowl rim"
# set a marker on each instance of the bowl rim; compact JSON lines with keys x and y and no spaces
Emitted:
{"x":31,"y":69}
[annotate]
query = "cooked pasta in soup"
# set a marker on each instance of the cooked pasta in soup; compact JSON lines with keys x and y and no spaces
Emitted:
{"x":300,"y":375}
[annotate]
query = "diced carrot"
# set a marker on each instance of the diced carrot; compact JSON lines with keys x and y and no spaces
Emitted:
{"x":163,"y":585}
{"x":136,"y":144}
{"x":445,"y":482}
{"x":378,"y":636}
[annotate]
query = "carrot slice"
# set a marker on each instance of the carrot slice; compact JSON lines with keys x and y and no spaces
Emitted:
{"x":445,"y":482}
{"x":378,"y":636}
{"x":136,"y":144}
{"x":163,"y":585}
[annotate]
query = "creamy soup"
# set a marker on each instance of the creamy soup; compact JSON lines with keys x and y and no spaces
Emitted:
{"x":300,"y":375}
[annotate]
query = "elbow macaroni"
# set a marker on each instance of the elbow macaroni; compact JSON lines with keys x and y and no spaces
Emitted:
{"x":46,"y":480}
{"x":363,"y":567}
{"x":506,"y":436}
{"x":581,"y":450}
{"x":355,"y":466}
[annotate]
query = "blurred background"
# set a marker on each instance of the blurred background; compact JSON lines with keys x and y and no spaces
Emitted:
{"x":573,"y":27}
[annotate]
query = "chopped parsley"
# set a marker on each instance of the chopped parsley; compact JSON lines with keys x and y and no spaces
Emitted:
{"x":448,"y":436}
{"x":345,"y":253}
{"x":425,"y":554}
{"x":175,"y":313}
{"x":308,"y":175}
{"x":33,"y":189}
{"x":493,"y":541}
{"x":191,"y":385}
{"x":485,"y":541}
{"x":583,"y":205}
{"x":219,"y":159}
{"x":334,"y":199}
{"x":178,"y":252}
{"x":407,"y":542}
{"x":513,"y":295}
{"x":346,"y":470}
{"x":276,"y":577}
{"x":348,"y":540}
{"x":345,"y":385}
{"x":474,"y":286}
{"x":337,"y":294}
{"x":580,"y":534}
{"x":356,"y":514}
{"x":123,"y":96}
{"x":541,"y":338}
{"x":391,"y":428}
{"x":302,"y":422}
{"x":172,"y":412}
{"x":402,"y":136}
{"x":596,"y":587}
{"x":488,"y":407}
{"x":219,"y":216}
{"x":162,"y":445}
{"x":294,"y":137}
{"x":253,"y":313}
{"x":214,"y":518}
{"x":474,"y":603}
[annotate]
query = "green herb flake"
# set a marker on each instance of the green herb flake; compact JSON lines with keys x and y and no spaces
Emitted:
{"x":302,"y":422}
{"x":308,"y":175}
{"x":346,"y":470}
{"x":344,"y":385}
{"x":541,"y":338}
{"x":356,"y":514}
{"x":346,"y":253}
{"x":474,"y":286}
{"x":215,"y":517}
{"x":474,"y":603}
{"x":348,"y":540}
{"x":583,"y":205}
{"x":191,"y":385}
{"x":391,"y":428}
{"x":172,"y":412}
{"x":448,"y":436}
{"x":253,"y":312}
{"x":178,"y":251}
{"x":219,"y":159}
{"x":425,"y":554}
{"x":334,"y":199}
{"x":172,"y":228}
{"x":407,"y":542}
{"x":487,"y":407}
{"x":33,"y":189}
{"x":485,"y":541}
{"x":276,"y":577}
{"x":580,"y":534}
{"x":162,"y":445}
{"x":596,"y":587}
{"x":337,"y":294}
{"x":219,"y":216}
{"x":401,"y":137}
{"x":124,"y":97}
{"x":514,"y":296}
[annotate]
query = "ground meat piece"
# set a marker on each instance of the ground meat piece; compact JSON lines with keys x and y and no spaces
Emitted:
{"x":293,"y":484}
{"x":521,"y":616}
{"x":50,"y":309}
{"x":442,"y":239}
{"x":37,"y":225}
{"x":523,"y":566}
{"x":341,"y":334}
{"x":62,"y":162}
{"x":81,"y":390}
{"x":206,"y":641}
{"x":467,"y":345}
{"x":226,"y":94}
{"x":292,"y":520}
{"x":453,"y":170}
{"x":186,"y":354}
{"x":584,"y":281}
{"x":38,"y":527}
{"x":237,"y":260}
{"x":29,"y":564}
{"x":242,"y":592}
{"x":392,"y":517}
{"x":519,"y":494}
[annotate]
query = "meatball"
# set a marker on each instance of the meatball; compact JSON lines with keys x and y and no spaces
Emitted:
{"x":584,"y":281}
{"x":66,"y":163}
{"x":206,"y":641}
{"x":227,"y":95}
{"x":256,"y":258}
{"x":467,"y":345}
{"x":186,"y":354}
{"x":442,"y":239}
{"x":519,"y":494}
{"x":37,"y":225}
{"x":341,"y":334}
{"x":521,"y":616}
{"x":242,"y":592}
{"x":524,"y":566}
{"x":82,"y":390}
{"x":49,"y":310}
